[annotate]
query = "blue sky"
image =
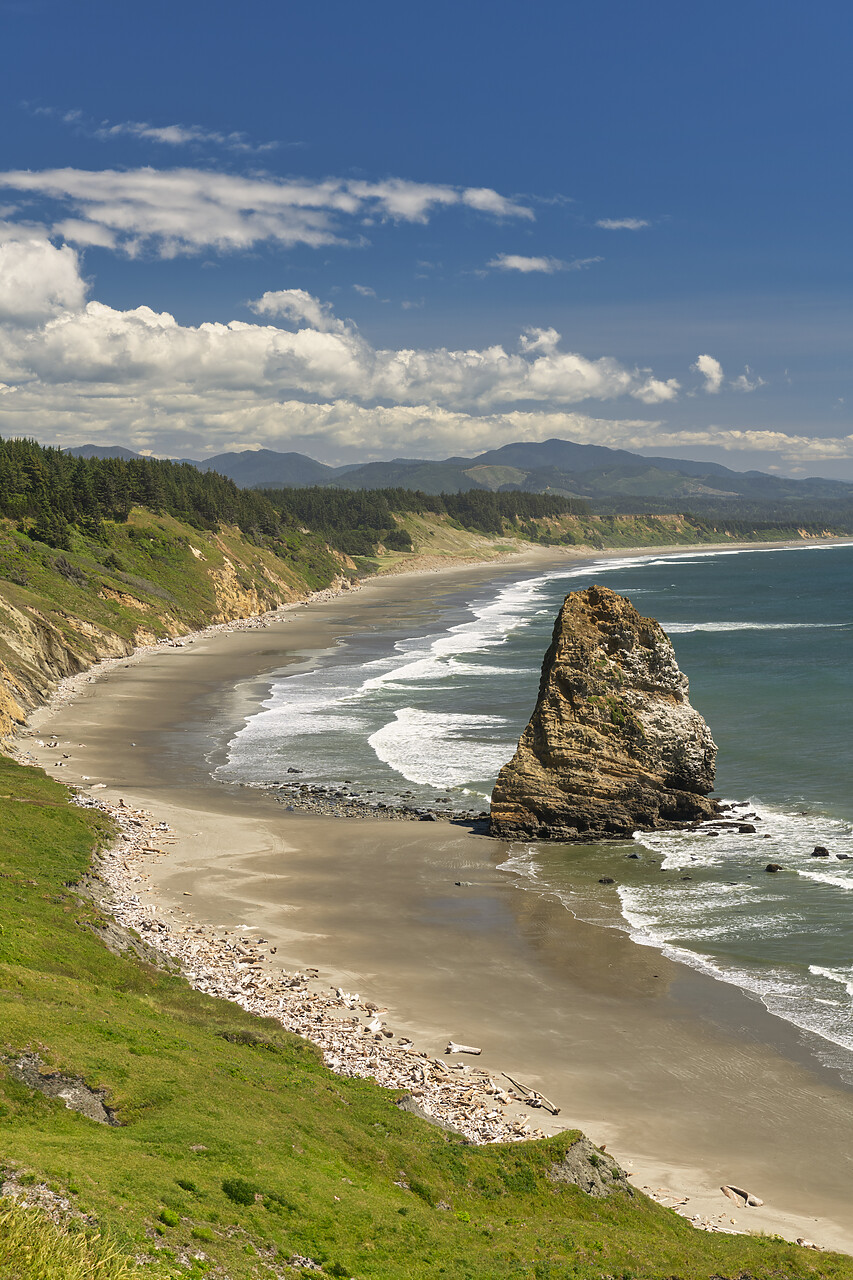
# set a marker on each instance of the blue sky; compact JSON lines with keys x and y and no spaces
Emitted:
{"x":384,"y":229}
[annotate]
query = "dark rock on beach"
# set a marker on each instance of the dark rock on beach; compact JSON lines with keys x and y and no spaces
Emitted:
{"x":335,"y":802}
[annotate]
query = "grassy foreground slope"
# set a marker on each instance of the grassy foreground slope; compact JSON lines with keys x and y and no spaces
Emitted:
{"x":238,"y":1153}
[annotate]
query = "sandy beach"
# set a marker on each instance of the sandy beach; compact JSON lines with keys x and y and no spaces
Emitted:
{"x":690,"y":1083}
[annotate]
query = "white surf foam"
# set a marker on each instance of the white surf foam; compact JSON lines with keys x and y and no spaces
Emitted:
{"x":439,"y":749}
{"x":823,"y":877}
{"x":844,"y":976}
{"x":784,"y":991}
{"x":521,"y":863}
{"x":669,"y":918}
{"x":792,"y":837}
{"x":685,"y":628}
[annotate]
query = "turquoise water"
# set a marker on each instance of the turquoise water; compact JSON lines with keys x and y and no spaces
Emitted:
{"x":765,"y":638}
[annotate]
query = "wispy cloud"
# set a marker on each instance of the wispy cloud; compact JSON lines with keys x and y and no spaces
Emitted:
{"x":622,"y":224}
{"x":186,"y":210}
{"x":792,"y":448}
{"x":485,"y":200}
{"x":365,"y":290}
{"x":169,"y":135}
{"x":183,"y":135}
{"x":527,"y":265}
{"x":557,"y":199}
{"x":747,"y":381}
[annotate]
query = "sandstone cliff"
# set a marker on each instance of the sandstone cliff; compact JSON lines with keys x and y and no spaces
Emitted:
{"x":613,"y":744}
{"x":60,"y":612}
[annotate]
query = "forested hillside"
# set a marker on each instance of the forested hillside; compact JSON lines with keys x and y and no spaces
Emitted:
{"x":51,"y":494}
{"x":354,"y":521}
{"x":48,"y":491}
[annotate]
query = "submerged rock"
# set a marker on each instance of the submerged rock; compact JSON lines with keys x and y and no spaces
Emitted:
{"x":613,"y":745}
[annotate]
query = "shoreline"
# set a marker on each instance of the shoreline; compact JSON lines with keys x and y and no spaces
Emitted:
{"x":245,"y":816}
{"x":239,"y":968}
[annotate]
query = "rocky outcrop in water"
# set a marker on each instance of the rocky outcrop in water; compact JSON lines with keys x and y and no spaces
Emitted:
{"x":613,"y":745}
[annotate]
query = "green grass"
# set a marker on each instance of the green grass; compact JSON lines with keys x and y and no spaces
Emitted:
{"x":32,"y":1248}
{"x":236,"y":1144}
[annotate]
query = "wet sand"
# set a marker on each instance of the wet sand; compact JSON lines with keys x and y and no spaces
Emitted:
{"x":690,"y":1083}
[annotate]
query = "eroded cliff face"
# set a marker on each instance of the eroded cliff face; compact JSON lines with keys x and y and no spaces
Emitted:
{"x":42,"y":641}
{"x":613,"y":745}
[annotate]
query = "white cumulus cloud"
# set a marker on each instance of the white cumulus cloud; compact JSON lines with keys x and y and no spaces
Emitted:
{"x":37,"y":278}
{"x":298,"y":305}
{"x":712,"y":371}
{"x":89,"y":369}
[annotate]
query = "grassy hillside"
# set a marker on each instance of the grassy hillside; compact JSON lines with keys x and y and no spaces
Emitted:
{"x":237,"y":1153}
{"x":438,"y":538}
{"x":138,"y":581}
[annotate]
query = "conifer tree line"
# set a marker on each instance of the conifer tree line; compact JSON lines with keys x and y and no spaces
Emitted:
{"x":349,"y":518}
{"x":49,"y":494}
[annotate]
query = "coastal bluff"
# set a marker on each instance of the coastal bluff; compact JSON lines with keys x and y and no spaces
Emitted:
{"x":613,"y":745}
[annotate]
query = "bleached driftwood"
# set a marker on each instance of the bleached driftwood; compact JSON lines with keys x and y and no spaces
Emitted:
{"x":461,"y":1048}
{"x":733,"y":1192}
{"x":531,"y":1096}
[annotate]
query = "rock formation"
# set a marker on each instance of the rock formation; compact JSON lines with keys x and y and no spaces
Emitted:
{"x":613,"y":745}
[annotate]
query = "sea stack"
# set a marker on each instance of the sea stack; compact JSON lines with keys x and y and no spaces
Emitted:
{"x":613,"y":745}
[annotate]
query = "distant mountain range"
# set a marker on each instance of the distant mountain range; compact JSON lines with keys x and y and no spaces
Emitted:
{"x":609,"y":479}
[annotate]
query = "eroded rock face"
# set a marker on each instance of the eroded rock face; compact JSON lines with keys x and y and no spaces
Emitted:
{"x":591,"y":1169}
{"x":73,"y":1091}
{"x":613,"y":745}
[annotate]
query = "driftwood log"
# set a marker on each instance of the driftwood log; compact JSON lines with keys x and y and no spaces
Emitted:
{"x":748,"y":1199}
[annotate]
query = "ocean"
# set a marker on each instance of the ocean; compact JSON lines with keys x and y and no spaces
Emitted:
{"x":427,"y":714}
